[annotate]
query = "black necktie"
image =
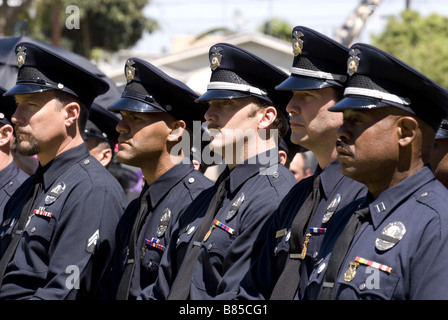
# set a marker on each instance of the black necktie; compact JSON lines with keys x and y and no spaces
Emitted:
{"x":340,"y":250}
{"x":126,"y":279}
{"x":181,"y":286}
{"x":16,"y":235}
{"x":288,"y":282}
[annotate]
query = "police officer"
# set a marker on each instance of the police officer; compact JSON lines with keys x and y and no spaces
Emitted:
{"x":317,"y":80}
{"x":395,"y":243}
{"x":58,"y":228}
{"x":100,"y":134}
{"x":158,"y":115}
{"x":439,"y":158}
{"x":215,"y":238}
{"x":11,"y":177}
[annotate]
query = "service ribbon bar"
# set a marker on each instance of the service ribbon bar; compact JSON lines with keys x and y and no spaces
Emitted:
{"x":374,"y":264}
{"x":41,"y":212}
{"x":223,"y":226}
{"x":318,"y":230}
{"x":154,"y":242}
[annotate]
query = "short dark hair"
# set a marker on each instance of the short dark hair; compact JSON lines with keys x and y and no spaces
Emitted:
{"x":280,"y":123}
{"x":66,"y":98}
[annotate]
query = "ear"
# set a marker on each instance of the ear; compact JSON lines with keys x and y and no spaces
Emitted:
{"x":73,"y":111}
{"x":283,"y":156}
{"x":268,"y":116}
{"x":177,"y":128}
{"x":407,"y":130}
{"x":6,"y":132}
{"x":106,"y":156}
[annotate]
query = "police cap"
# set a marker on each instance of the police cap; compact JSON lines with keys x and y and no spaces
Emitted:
{"x":7,"y":107}
{"x":237,"y":73}
{"x":319,"y":62}
{"x":42,"y":69}
{"x":101,"y":125}
{"x":149,"y":89}
{"x":378,"y":79}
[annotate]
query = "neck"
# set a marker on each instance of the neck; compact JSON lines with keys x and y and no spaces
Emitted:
{"x":69,"y":143}
{"x":249,"y":150}
{"x":153,"y":170}
{"x":5,"y":160}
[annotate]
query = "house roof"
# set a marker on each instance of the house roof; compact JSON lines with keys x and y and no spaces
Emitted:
{"x":191,"y":66}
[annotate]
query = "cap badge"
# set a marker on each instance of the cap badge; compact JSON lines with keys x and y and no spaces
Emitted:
{"x":353,"y":62}
{"x":164,"y":220}
{"x":21,"y":56}
{"x":55,"y":193}
{"x":130,"y":70}
{"x":215,"y":57}
{"x":390,"y":236}
{"x":297,"y":43}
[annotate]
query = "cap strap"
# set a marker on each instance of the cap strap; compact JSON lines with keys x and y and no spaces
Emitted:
{"x":377,"y":95}
{"x":318,"y":74}
{"x":235,"y":86}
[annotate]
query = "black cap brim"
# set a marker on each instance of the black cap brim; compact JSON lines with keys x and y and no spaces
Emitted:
{"x":297,"y":83}
{"x":364,"y":103}
{"x":132,"y":105}
{"x":227,"y":95}
{"x":441,"y":134}
{"x":25,"y":88}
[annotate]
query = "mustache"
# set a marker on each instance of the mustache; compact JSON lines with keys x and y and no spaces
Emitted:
{"x":345,"y":146}
{"x":214,"y":126}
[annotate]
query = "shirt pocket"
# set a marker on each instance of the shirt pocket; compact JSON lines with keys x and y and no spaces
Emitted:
{"x":368,"y":284}
{"x":36,"y":241}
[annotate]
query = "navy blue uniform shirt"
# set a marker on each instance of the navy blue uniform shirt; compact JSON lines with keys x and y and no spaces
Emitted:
{"x":173,"y":192}
{"x":69,"y":237}
{"x":11,"y":178}
{"x":402,"y":251}
{"x":225,"y":256}
{"x":263,"y":275}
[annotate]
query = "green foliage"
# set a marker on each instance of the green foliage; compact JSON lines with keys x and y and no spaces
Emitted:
{"x":421,"y":42}
{"x":278,"y":28}
{"x":107,"y":24}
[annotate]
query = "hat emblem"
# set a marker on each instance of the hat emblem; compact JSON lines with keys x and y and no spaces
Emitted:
{"x":353,"y":62}
{"x":215,"y":57}
{"x":129,"y":70}
{"x":21,"y":55}
{"x":297,"y":43}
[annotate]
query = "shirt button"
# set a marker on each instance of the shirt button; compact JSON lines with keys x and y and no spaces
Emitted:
{"x":86,"y":161}
{"x":275,"y":174}
{"x":191,"y":180}
{"x":210,"y":246}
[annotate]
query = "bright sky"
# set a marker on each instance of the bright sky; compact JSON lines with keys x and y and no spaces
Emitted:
{"x":178,"y":17}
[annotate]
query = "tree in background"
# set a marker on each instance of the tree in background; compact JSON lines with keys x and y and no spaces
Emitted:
{"x":277,"y":28}
{"x":421,"y":42}
{"x":108,"y":25}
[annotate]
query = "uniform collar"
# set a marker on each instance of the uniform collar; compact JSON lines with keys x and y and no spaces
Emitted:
{"x":389,"y":199}
{"x":55,"y":168}
{"x":253,"y":166}
{"x":8,"y":173}
{"x":330,"y":177}
{"x":163,"y":184}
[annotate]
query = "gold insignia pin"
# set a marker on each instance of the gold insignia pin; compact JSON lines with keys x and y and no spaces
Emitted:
{"x":297,"y":43}
{"x":129,"y":70}
{"x":350,"y":274}
{"x":21,"y":56}
{"x":353,"y":62}
{"x":215,"y":58}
